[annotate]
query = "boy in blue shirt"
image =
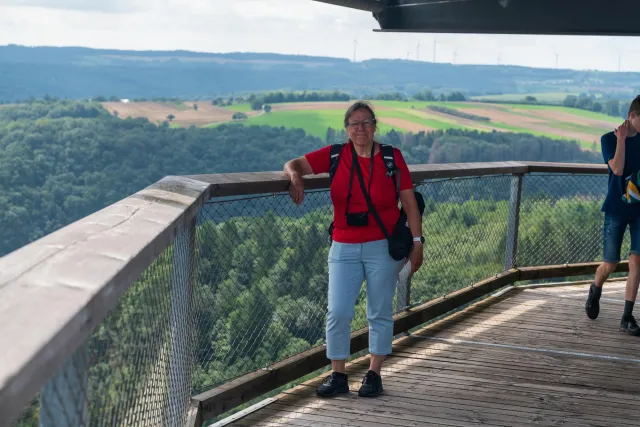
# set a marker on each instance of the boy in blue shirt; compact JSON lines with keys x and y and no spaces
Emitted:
{"x":621,"y":152}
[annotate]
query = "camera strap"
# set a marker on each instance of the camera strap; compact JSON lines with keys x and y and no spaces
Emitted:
{"x":372,"y":210}
{"x":354,"y":161}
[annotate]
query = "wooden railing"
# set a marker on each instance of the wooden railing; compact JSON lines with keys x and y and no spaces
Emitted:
{"x":55,"y":291}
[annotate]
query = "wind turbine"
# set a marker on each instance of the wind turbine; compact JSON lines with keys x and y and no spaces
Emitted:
{"x":355,"y":47}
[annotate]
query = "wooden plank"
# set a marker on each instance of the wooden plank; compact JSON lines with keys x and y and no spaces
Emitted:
{"x":236,"y":184}
{"x":194,"y":415}
{"x":247,"y":387}
{"x":563,"y":270}
{"x":406,"y":401}
{"x":459,"y":170}
{"x":574,"y":168}
{"x":56,"y":290}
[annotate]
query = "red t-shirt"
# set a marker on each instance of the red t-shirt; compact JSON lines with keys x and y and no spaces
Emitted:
{"x":383,"y":193}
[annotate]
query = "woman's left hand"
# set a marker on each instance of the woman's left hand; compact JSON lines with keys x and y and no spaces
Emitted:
{"x":416,"y":257}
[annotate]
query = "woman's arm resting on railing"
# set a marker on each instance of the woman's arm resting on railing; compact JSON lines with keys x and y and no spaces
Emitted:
{"x":410,"y":206}
{"x":294,"y":170}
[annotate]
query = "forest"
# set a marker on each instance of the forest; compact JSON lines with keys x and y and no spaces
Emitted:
{"x":62,"y":160}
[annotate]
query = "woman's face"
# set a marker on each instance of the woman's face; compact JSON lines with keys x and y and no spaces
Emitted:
{"x":361,"y":127}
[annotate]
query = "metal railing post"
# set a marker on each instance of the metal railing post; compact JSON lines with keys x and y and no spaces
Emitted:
{"x":182,"y":283}
{"x":514,"y":222}
{"x":403,"y":294}
{"x":63,"y":399}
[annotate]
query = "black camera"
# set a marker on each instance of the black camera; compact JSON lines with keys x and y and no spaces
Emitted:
{"x":360,"y":219}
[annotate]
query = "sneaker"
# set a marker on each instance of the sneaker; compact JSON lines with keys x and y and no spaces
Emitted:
{"x":629,"y":326}
{"x":371,"y":385}
{"x":592,"y":307}
{"x":334,"y":384}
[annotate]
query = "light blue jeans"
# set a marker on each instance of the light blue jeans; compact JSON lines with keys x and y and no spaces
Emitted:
{"x":349,"y":265}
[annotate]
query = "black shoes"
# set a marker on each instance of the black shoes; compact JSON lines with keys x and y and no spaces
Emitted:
{"x":334,"y":384}
{"x":337,"y":383}
{"x":592,"y":307}
{"x":629,"y":325}
{"x":371,"y":385}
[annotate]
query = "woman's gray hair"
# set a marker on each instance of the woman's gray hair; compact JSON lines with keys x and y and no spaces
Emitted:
{"x":360,"y":105}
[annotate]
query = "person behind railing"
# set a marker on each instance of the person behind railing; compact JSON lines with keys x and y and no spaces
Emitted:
{"x":359,"y":248}
{"x":621,"y":151}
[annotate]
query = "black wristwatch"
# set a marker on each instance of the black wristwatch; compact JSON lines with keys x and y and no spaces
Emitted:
{"x":419,"y":239}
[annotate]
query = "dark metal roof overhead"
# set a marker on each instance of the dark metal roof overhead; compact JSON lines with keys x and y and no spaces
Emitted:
{"x":567,"y":17}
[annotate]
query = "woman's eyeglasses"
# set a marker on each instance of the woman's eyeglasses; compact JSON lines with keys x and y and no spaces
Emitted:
{"x":367,"y":124}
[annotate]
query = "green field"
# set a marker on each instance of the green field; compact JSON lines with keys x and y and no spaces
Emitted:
{"x":553,"y":121}
{"x":586,"y":127}
{"x":314,"y":122}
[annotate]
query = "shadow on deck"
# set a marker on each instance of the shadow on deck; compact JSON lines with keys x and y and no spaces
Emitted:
{"x":527,"y":357}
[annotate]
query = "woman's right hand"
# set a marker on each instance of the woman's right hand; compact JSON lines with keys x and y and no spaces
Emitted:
{"x":296,"y":189}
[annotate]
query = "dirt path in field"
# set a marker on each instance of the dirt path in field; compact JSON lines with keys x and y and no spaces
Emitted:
{"x":475,"y":124}
{"x":405,"y":124}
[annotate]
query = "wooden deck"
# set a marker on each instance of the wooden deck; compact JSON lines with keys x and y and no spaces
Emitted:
{"x":527,"y":357}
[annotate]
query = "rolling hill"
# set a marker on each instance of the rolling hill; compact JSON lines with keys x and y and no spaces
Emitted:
{"x":81,"y":73}
{"x":414,"y":116}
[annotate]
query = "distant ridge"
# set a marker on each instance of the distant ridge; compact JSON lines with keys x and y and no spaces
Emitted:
{"x":80,"y":73}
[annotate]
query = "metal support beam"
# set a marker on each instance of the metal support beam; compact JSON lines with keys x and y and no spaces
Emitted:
{"x":367,"y":5}
{"x":63,"y":400}
{"x":182,"y":346}
{"x":561,"y":17}
{"x":514,"y":222}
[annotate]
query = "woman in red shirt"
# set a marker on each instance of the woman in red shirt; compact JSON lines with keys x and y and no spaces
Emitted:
{"x":359,"y":249}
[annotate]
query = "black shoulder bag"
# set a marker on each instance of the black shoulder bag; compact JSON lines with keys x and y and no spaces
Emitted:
{"x":401,"y":240}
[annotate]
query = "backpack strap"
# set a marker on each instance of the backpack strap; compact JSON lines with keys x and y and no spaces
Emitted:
{"x":388,"y":155}
{"x":334,"y":159}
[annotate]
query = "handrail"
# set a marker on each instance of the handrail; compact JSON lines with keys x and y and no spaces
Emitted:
{"x":246,"y":183}
{"x":56,"y":290}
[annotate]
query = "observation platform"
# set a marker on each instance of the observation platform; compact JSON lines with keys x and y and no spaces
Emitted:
{"x":200,"y":297}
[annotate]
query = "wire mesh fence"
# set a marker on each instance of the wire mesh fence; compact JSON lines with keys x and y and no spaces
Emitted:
{"x":263,"y":269}
{"x":561,"y":219}
{"x":135,"y":369}
{"x":262,"y":281}
{"x":246,"y":287}
{"x":465,"y":226}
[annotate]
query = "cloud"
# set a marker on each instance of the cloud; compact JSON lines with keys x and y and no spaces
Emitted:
{"x":109,"y":6}
{"x":285,"y":26}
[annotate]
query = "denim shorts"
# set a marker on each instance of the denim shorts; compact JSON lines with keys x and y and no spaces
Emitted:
{"x":613,"y":231}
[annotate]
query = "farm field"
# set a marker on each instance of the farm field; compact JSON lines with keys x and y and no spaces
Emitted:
{"x":315,"y":117}
{"x":552,"y":97}
{"x":184,"y":113}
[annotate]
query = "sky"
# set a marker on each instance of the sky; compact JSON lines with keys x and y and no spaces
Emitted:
{"x":287,"y":26}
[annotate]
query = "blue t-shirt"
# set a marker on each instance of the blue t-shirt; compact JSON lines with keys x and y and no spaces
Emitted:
{"x":613,"y":203}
